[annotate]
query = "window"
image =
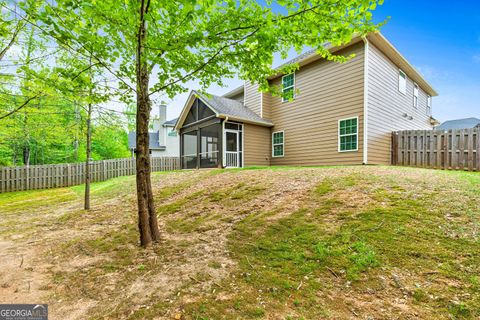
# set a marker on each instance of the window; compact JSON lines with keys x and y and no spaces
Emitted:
{"x":415,"y":95}
{"x":348,"y":135}
{"x":172,"y":133}
{"x":429,"y":105}
{"x":278,"y":144}
{"x":288,"y":87}
{"x":402,"y":82}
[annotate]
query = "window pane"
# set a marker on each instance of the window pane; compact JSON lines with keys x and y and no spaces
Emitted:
{"x":189,"y":152}
{"x":287,"y":80}
{"x":192,"y":114}
{"x":204,"y":111}
{"x":209,"y":146}
{"x":190,"y":143}
{"x":278,"y":150}
{"x":232,"y":126}
{"x":348,"y":131}
{"x":402,"y":82}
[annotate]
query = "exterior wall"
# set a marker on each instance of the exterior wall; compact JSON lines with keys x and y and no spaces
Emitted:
{"x":387,"y":106}
{"x":238,"y":97}
{"x":329,"y":92}
{"x":257,"y":145}
{"x":253,"y":98}
{"x":172,"y":143}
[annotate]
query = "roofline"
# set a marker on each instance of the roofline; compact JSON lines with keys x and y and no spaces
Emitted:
{"x":234,"y":92}
{"x":410,"y":70}
{"x":240,"y":119}
{"x":378,"y":40}
{"x":183,"y":114}
{"x":194,"y":94}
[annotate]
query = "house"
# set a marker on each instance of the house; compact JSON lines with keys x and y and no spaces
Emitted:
{"x":339,"y":114}
{"x":163,"y":139}
{"x":467,"y":123}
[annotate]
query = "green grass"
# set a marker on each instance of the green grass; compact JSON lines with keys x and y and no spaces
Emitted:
{"x":344,"y":238}
{"x":286,"y":262}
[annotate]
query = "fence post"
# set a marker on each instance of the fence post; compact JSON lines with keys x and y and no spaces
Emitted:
{"x":104,"y":169}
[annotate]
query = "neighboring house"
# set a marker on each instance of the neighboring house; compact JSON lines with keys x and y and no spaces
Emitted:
{"x":467,"y":123}
{"x":163,"y":139}
{"x":340,"y":113}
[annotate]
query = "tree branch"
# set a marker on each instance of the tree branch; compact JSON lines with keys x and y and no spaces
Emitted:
{"x":25,"y":103}
{"x":12,"y":40}
{"x":203,"y":65}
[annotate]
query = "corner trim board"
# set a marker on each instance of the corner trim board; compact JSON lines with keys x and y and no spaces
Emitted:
{"x":365,"y":103}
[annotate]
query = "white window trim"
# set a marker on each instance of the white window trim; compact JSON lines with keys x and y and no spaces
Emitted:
{"x":405,"y":90}
{"x":429,"y":105}
{"x":277,"y":144}
{"x":415,"y":101}
{"x":293,"y":86}
{"x":350,"y":134}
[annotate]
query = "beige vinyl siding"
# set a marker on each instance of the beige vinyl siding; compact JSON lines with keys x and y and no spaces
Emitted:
{"x":252,"y":97}
{"x":257,"y":145}
{"x":387,"y":105}
{"x":329,"y":92}
{"x":266,"y":98}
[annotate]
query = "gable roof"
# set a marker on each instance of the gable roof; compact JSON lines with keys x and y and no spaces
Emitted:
{"x":466,"y":123}
{"x":153,"y":141}
{"x":224,"y":108}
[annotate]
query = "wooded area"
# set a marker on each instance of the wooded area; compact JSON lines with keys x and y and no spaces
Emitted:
{"x":452,"y":149}
{"x":71,"y":174}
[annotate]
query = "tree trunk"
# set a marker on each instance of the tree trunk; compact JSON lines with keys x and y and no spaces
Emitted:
{"x":147,"y":218}
{"x":89,"y":153}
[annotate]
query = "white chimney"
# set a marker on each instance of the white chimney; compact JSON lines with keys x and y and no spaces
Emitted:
{"x":162,"y":115}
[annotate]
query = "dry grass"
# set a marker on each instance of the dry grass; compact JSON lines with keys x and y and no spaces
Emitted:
{"x":272,"y":243}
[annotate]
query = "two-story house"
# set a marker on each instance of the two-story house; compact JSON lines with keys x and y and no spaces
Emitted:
{"x":163,"y":139}
{"x":340,"y":113}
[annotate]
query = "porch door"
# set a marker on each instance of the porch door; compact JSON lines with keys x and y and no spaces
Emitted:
{"x":232,"y":149}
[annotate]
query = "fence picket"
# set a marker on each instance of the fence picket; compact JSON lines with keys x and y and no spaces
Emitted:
{"x":447,"y":150}
{"x":65,"y":175}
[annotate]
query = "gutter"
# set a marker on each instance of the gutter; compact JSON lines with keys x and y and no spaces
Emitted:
{"x":365,"y":102}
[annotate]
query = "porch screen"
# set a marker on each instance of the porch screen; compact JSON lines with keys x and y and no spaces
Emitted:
{"x":209,"y":146}
{"x":189,"y":154}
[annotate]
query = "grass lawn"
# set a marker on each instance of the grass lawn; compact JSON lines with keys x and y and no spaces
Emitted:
{"x":366,"y":242}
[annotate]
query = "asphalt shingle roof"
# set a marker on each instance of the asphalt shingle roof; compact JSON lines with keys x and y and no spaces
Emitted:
{"x":153,"y":141}
{"x":170,"y":122}
{"x":232,"y":108}
{"x":466,"y":123}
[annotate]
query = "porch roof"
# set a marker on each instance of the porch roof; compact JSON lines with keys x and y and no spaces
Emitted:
{"x":224,"y":108}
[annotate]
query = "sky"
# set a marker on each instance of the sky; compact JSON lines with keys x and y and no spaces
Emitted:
{"x":440,"y":38}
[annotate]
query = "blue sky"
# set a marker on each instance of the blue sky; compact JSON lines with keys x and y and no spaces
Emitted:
{"x":440,"y":38}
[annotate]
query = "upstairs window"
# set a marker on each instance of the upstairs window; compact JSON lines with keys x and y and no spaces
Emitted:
{"x":415,"y":95}
{"x":278,"y":144}
{"x":348,"y":135}
{"x":288,"y":87}
{"x":429,"y":105}
{"x":402,"y":82}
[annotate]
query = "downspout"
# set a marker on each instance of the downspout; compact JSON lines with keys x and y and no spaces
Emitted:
{"x":224,"y":153}
{"x":365,"y":102}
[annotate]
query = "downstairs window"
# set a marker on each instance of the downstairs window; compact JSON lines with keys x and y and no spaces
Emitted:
{"x":348,"y":135}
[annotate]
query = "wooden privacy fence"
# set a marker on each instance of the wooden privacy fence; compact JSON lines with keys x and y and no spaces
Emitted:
{"x":65,"y":175}
{"x":451,"y":150}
